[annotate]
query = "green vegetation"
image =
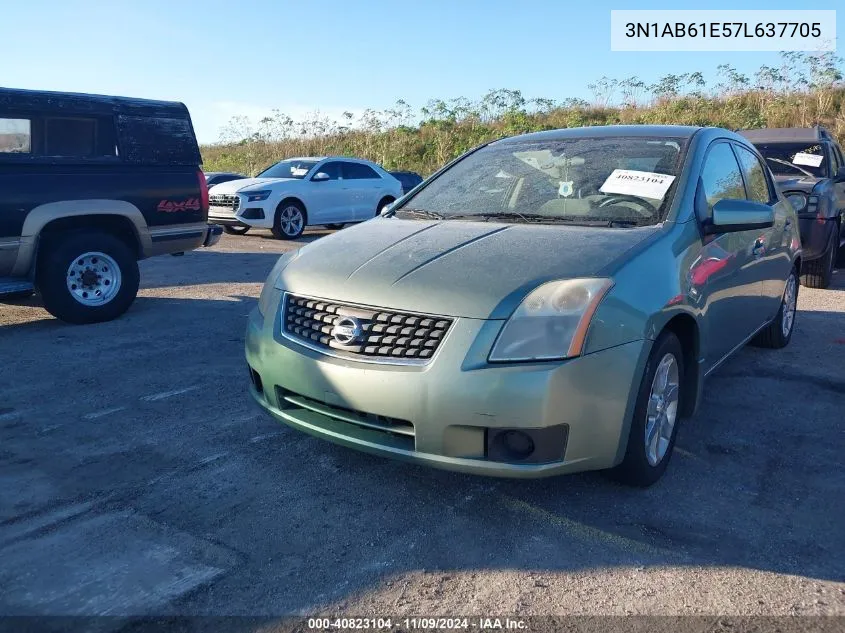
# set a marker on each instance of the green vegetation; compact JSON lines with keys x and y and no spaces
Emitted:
{"x":804,"y":90}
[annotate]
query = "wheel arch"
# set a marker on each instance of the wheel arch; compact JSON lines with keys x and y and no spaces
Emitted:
{"x":116,"y":216}
{"x":686,"y":328}
{"x":287,"y":200}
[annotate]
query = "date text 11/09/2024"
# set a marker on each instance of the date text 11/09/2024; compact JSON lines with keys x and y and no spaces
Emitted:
{"x":421,"y":623}
{"x":723,"y":29}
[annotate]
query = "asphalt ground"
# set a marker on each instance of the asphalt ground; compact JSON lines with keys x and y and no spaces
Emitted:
{"x":138,"y":477}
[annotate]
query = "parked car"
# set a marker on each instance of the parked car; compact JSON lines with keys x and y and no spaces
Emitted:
{"x":409,"y":179}
{"x":300,"y":192}
{"x":216,"y":177}
{"x":809,"y":167}
{"x":91,"y":184}
{"x":537,"y":307}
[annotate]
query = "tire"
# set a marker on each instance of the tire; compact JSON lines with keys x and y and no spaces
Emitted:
{"x":335,"y":227}
{"x":779,"y":332}
{"x":290,"y":220}
{"x":107,"y":262}
{"x":819,"y":272}
{"x":236,"y":230}
{"x":642,"y":466}
{"x":383,"y":203}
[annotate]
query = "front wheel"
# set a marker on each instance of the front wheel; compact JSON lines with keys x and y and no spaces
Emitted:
{"x":779,"y":332}
{"x":87,"y":277}
{"x":235,"y":230}
{"x":289,"y":222}
{"x":655,"y":423}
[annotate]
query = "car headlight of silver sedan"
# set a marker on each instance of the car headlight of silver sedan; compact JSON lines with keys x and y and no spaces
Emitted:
{"x":551,"y":322}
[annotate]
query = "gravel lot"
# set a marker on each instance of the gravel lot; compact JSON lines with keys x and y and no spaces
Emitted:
{"x":137,"y":477}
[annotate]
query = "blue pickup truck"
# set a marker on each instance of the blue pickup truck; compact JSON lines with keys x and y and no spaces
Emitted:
{"x":89,"y":185}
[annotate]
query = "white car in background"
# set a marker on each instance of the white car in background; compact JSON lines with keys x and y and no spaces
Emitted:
{"x":300,"y":192}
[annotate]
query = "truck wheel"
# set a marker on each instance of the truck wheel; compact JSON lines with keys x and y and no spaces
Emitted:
{"x":87,"y":276}
{"x":820,"y":271}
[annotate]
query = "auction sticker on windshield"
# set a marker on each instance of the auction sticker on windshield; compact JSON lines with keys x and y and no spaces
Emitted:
{"x":643,"y":184}
{"x":810,"y":160}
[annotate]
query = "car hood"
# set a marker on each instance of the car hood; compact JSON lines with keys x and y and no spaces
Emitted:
{"x":234,"y":186}
{"x":452,"y":268}
{"x":797,"y":183}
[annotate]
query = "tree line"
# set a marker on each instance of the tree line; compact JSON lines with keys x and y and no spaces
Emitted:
{"x":803,"y":89}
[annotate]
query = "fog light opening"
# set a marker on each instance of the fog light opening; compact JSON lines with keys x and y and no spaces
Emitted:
{"x":517,"y":444}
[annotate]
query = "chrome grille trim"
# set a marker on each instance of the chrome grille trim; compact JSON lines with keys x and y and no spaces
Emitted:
{"x":227,"y":203}
{"x":336,"y":350}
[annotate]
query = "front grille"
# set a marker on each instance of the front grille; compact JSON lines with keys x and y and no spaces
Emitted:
{"x":384,"y":334}
{"x":227,"y":203}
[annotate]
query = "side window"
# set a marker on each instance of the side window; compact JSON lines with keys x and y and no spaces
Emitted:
{"x":332,"y":169}
{"x":15,"y":136}
{"x":357,"y":171}
{"x":720,"y":176}
{"x":70,"y":137}
{"x":756,"y":183}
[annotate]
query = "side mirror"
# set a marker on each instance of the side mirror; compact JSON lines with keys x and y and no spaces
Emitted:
{"x":840,"y":175}
{"x":731,"y":216}
{"x":320,"y":176}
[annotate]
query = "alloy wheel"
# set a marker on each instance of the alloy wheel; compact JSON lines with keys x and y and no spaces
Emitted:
{"x":291,"y":220}
{"x":662,"y":409}
{"x":790,"y":297}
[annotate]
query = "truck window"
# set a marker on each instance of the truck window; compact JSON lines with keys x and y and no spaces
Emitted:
{"x":15,"y":136}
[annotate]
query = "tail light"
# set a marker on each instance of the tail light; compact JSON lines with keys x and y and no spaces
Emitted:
{"x":203,"y":191}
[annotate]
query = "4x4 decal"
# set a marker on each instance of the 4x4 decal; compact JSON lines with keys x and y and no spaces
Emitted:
{"x":169,"y":206}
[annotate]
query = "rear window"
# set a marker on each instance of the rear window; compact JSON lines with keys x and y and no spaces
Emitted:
{"x":795,"y":159}
{"x":15,"y":136}
{"x":158,"y":140}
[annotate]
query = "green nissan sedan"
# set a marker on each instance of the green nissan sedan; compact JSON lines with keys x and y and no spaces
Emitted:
{"x":544,"y":304}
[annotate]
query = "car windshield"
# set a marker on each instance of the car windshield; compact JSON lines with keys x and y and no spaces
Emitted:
{"x":293,"y":168}
{"x":794,"y":159}
{"x":618,"y":181}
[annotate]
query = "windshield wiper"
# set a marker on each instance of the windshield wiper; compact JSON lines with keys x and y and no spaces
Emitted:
{"x":538,"y":218}
{"x":417,"y":213}
{"x":530,"y":217}
{"x":793,"y":166}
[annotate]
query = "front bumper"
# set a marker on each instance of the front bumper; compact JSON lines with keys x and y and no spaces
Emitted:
{"x":448,"y":407}
{"x":254,"y":214}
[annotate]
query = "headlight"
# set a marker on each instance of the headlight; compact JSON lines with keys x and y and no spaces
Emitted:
{"x":257,"y":196}
{"x":797,"y":200}
{"x":269,"y":293}
{"x":551,"y":323}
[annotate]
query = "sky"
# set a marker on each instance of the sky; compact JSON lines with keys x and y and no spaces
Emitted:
{"x":248,"y":57}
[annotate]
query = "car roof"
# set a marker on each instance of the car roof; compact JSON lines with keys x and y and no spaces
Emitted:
{"x":815,"y":134}
{"x":79,"y":103}
{"x":604,"y":131}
